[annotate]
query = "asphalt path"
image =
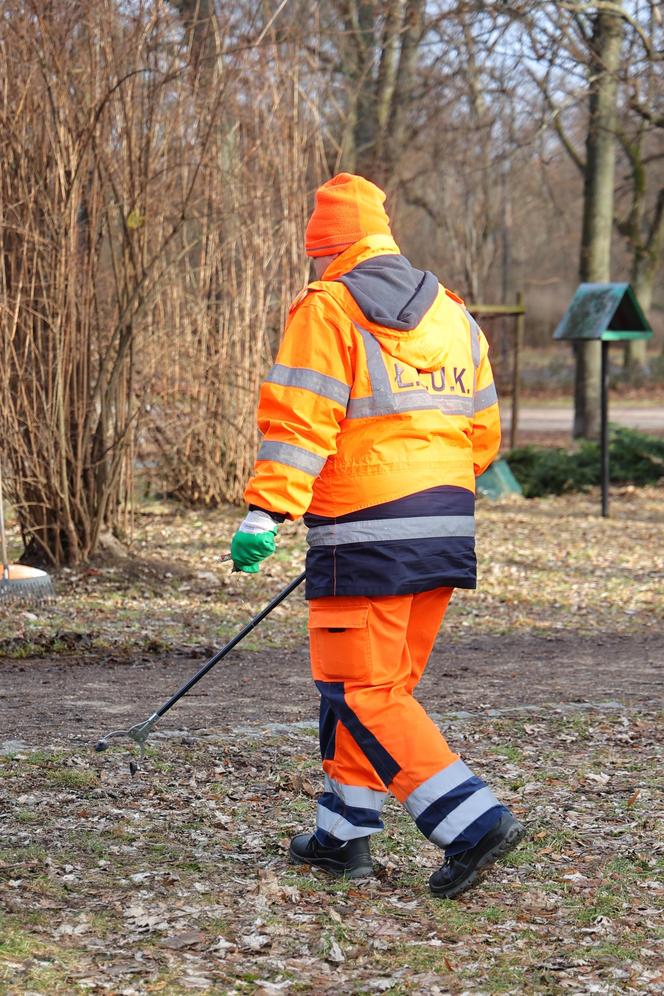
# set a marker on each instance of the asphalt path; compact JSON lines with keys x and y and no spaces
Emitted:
{"x":543,"y":418}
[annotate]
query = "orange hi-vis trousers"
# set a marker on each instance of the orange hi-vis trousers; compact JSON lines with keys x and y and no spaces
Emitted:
{"x":367,"y":656}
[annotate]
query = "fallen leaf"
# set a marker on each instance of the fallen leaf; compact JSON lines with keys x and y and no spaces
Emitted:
{"x":188,"y":939}
{"x":254,"y":942}
{"x":335,"y":954}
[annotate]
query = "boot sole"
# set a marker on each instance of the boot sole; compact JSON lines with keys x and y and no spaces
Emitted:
{"x":332,"y":868}
{"x":513,"y":836}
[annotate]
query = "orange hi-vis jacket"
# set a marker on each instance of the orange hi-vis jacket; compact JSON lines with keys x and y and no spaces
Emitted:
{"x":377,"y":416}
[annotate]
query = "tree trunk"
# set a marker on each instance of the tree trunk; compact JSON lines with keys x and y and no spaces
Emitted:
{"x":643,"y":278}
{"x":379,"y":66}
{"x":402,"y":93}
{"x":646,"y":262}
{"x":198,"y":19}
{"x":595,"y":262}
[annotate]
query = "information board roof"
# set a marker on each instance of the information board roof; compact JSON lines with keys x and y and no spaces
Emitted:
{"x":608,"y":312}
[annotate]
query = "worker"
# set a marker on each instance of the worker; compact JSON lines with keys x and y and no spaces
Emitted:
{"x":377,"y":417}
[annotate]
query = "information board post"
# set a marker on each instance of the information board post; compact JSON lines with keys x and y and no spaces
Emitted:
{"x":608,"y":313}
{"x":605,"y":429}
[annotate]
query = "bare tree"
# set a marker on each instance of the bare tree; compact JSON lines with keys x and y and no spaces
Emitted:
{"x":227,"y":305}
{"x":587,"y":56}
{"x":459,"y":167}
{"x":151,"y":211}
{"x":376,"y":48}
{"x":77,"y":271}
{"x":640,"y":195}
{"x":599,"y":183}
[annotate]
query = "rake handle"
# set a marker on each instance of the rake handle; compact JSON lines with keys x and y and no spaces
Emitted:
{"x":229,"y":646}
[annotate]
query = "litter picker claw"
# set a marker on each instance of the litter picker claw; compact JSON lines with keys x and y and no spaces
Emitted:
{"x":140,"y":732}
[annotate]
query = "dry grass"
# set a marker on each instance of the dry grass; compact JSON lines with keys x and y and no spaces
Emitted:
{"x":544,"y":566}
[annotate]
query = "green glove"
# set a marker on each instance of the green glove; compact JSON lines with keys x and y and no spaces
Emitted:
{"x":253,"y":542}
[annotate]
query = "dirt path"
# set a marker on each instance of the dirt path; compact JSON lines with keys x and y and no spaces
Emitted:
{"x":178,"y":880}
{"x":80,"y":700}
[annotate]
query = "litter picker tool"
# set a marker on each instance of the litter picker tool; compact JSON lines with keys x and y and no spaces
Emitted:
{"x":18,"y":582}
{"x":141,"y":731}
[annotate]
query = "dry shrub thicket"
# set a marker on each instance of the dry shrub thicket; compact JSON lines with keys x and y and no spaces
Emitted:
{"x":150,"y":246}
{"x":225,"y":311}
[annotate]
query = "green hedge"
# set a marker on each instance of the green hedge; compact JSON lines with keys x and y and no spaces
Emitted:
{"x":634,"y":458}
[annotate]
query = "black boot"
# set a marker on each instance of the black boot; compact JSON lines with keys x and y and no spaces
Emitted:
{"x":459,"y":871}
{"x":352,"y":859}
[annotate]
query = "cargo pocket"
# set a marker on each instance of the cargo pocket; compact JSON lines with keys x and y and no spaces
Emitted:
{"x":339,"y":641}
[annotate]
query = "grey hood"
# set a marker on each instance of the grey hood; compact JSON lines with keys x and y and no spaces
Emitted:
{"x":391,"y":292}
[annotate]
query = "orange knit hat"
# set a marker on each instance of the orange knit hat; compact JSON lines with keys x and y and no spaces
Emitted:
{"x":347,"y":208}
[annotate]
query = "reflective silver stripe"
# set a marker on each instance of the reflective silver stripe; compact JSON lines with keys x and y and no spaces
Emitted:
{"x":438,"y":785}
{"x":461,"y":817}
{"x":292,"y":456}
{"x":410,"y":401}
{"x":381,"y":530}
{"x":381,"y":388}
{"x":474,"y":339}
{"x":356,"y":795}
{"x":475,"y":349}
{"x":309,"y":380}
{"x":384,"y":401}
{"x":485,"y":398}
{"x":339,"y":827}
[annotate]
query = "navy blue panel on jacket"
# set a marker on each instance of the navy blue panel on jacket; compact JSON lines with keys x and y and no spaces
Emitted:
{"x":413,"y":544}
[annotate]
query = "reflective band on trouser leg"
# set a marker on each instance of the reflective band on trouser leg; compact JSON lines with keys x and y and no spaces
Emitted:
{"x":347,"y":811}
{"x":454,"y":808}
{"x":366,"y":673}
{"x":340,"y":753}
{"x":362,"y":665}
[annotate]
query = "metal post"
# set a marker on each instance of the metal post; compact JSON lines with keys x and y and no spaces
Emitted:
{"x":604,"y":429}
{"x":516,"y":369}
